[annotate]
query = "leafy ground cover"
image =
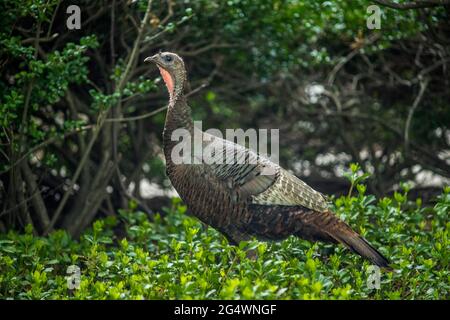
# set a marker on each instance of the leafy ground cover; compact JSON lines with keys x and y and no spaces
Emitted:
{"x":172,"y":255}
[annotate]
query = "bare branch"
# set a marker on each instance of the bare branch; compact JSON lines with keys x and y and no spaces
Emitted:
{"x":416,"y":4}
{"x":423,"y":87}
{"x":37,"y":201}
{"x":77,"y":173}
{"x":44,"y":144}
{"x":350,"y":56}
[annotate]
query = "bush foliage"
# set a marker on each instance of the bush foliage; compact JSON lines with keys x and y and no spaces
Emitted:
{"x":174,"y":256}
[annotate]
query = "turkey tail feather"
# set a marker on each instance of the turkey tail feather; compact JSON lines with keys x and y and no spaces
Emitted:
{"x":325,"y":226}
{"x":278,"y":222}
{"x":360,"y":246}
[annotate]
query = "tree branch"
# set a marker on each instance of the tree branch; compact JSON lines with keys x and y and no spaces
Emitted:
{"x":416,"y":4}
{"x":36,"y":200}
{"x":423,"y":87}
{"x":76,"y":175}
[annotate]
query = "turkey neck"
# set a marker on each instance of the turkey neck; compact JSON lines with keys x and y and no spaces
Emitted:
{"x":178,"y":117}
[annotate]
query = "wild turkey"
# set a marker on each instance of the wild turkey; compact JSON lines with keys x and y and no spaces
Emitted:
{"x":237,"y":199}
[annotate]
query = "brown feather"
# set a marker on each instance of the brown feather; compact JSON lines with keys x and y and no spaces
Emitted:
{"x":278,"y":222}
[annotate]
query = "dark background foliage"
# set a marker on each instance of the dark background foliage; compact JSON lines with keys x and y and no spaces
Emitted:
{"x":81,"y":114}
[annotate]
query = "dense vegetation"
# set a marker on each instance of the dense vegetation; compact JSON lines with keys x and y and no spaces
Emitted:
{"x":172,"y":255}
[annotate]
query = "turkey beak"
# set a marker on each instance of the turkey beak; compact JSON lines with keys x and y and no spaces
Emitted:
{"x":153,"y":59}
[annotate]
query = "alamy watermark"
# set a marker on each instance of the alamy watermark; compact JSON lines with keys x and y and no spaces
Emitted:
{"x":373,"y":21}
{"x":74,"y":20}
{"x":373,"y":278}
{"x":73,"y":277}
{"x":196,"y":146}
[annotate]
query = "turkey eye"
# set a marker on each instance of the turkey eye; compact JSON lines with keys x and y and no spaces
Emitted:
{"x":168,"y":58}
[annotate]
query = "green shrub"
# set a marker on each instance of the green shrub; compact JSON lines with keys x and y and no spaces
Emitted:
{"x":174,"y":256}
